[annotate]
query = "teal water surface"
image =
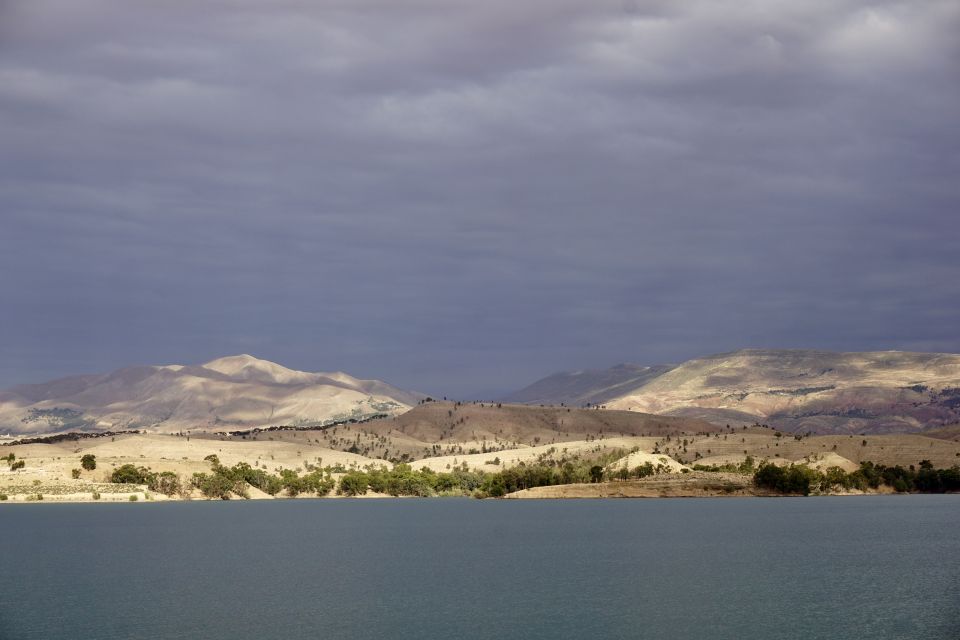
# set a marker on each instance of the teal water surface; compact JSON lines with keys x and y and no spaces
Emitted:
{"x":838,"y":568}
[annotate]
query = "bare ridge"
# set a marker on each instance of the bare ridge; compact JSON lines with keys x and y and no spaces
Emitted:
{"x":231,"y":392}
{"x":790,"y":389}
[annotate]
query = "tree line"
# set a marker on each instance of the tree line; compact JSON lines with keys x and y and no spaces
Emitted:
{"x":802,"y":480}
{"x":402,"y":480}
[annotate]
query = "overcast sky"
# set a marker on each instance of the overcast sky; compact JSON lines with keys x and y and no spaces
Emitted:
{"x":460,"y":198}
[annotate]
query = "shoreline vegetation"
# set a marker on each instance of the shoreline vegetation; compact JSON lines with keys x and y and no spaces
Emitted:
{"x":606,"y":475}
{"x":482,"y":450}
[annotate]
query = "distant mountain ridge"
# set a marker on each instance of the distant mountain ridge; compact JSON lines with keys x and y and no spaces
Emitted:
{"x":235,"y":391}
{"x":593,"y":386}
{"x":793,"y":390}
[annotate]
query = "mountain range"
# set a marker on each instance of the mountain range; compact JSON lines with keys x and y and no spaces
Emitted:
{"x":792,"y":390}
{"x":233,"y":392}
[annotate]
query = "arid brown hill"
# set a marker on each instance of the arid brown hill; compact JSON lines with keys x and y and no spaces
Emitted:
{"x":472,"y":422}
{"x":949,"y":432}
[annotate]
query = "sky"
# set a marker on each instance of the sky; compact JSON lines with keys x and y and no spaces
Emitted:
{"x":463,"y":197}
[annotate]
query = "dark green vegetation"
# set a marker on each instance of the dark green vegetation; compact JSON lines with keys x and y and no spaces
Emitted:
{"x":165,"y":482}
{"x":794,"y":479}
{"x":223,"y":481}
{"x":402,"y":480}
{"x":59,"y":418}
{"x":88,"y":462}
{"x":745,"y":467}
{"x":802,"y":391}
{"x":226,"y":480}
{"x":15,"y":464}
{"x":798,"y":479}
{"x":316,"y":426}
{"x":72,"y":436}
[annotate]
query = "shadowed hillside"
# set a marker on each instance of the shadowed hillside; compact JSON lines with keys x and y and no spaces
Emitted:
{"x":949,"y":432}
{"x":580,"y":388}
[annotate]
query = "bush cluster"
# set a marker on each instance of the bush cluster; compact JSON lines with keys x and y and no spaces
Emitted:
{"x":15,"y":464}
{"x":165,"y":482}
{"x":226,"y":480}
{"x":799,"y":479}
{"x":402,"y":480}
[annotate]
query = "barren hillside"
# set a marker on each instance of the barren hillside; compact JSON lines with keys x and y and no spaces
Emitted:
{"x":232,"y":392}
{"x":437,"y":421}
{"x":793,"y":390}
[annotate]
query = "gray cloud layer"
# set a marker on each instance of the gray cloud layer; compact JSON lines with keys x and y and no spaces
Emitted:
{"x":460,"y":197}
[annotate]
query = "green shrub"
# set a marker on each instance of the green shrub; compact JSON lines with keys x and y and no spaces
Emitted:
{"x":3,"y":497}
{"x":165,"y":482}
{"x":88,"y":462}
{"x":645,"y":470}
{"x":132,"y":498}
{"x":800,"y":479}
{"x":130,"y":474}
{"x":243,"y":474}
{"x":354,"y":483}
{"x":213,"y":486}
{"x":792,"y":479}
{"x":75,"y":473}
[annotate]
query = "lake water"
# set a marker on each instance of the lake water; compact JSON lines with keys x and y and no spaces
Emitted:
{"x":854,"y":567}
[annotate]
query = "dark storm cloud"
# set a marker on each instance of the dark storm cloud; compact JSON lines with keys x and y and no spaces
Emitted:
{"x":460,"y":197}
